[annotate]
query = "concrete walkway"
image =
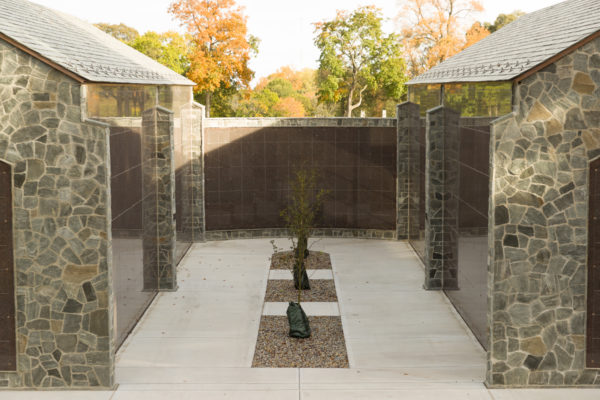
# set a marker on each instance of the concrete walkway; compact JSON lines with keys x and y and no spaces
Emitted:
{"x":403,"y":342}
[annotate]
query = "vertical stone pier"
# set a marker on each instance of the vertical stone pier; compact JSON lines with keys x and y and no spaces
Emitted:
{"x":406,"y":189}
{"x":159,"y":200}
{"x":441,"y":268}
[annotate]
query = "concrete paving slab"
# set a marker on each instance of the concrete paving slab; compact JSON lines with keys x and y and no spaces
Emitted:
{"x":311,"y":308}
{"x":403,"y":342}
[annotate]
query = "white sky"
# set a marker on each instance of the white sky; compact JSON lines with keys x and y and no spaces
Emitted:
{"x":284,"y":26}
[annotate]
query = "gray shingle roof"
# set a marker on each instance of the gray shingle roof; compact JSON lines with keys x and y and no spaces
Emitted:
{"x":521,"y":45}
{"x":80,"y":47}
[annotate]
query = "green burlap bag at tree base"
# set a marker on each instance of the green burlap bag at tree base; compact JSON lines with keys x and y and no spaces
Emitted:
{"x":299,"y":327}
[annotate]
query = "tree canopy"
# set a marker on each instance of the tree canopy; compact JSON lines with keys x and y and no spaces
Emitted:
{"x":285,"y":93}
{"x":503,"y":20}
{"x":358,"y":60}
{"x":221,"y":45}
{"x":434,"y":30}
{"x":170,"y":49}
{"x":119,"y":31}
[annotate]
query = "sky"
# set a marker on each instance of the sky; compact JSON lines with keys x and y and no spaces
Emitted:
{"x":283,"y":26}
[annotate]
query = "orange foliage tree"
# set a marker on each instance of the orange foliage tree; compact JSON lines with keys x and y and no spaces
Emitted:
{"x":475,"y":33}
{"x":434,"y":30}
{"x":302,"y":80}
{"x":289,"y":107}
{"x":221,"y":46}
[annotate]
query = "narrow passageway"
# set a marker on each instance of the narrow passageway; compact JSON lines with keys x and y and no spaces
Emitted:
{"x":202,"y":337}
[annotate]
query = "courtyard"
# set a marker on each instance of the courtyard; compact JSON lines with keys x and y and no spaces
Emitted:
{"x":403,"y":342}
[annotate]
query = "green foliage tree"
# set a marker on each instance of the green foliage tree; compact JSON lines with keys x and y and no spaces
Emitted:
{"x":357,"y":59}
{"x":300,"y":217}
{"x":170,"y":49}
{"x":119,"y":31}
{"x":503,"y":20}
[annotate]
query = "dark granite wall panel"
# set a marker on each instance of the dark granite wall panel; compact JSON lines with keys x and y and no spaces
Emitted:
{"x":8,"y":356}
{"x":417,"y":175}
{"x":182,"y":149}
{"x":470,"y":297}
{"x":127,"y":224}
{"x":248,"y":169}
{"x":593,"y":311}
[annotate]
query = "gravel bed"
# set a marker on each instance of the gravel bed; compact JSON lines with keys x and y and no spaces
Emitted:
{"x":325,"y":348}
{"x":283,"y":290}
{"x":315,"y":260}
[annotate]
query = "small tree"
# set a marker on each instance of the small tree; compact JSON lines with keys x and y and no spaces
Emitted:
{"x":300,"y":216}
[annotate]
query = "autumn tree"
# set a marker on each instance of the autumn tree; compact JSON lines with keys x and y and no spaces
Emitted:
{"x":119,"y":31}
{"x":475,"y":33}
{"x":503,"y":20}
{"x":221,"y":44}
{"x":169,"y":48}
{"x":434,"y":30}
{"x":284,"y":93}
{"x":289,"y":107}
{"x":358,"y":59}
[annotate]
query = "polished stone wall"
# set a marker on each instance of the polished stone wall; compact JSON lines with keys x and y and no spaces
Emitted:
{"x":249,"y":163}
{"x":539,"y":226}
{"x":61,"y":228}
{"x":471,"y":165}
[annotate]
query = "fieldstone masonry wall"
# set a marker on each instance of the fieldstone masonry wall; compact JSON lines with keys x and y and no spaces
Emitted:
{"x":61,"y":228}
{"x":538,"y":226}
{"x":160,"y":270}
{"x":441,"y":264}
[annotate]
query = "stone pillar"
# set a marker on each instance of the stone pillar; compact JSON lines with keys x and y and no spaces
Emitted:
{"x":196,"y":222}
{"x":192,"y":193}
{"x":441,"y":180}
{"x":407,"y":196}
{"x":158,"y":200}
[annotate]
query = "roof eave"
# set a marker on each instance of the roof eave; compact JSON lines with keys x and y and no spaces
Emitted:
{"x":515,"y":78}
{"x":82,"y":79}
{"x":43,"y":59}
{"x":556,"y":57}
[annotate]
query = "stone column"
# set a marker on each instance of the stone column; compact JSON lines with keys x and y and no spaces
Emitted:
{"x":407,"y":196}
{"x":158,"y":200}
{"x":441,"y":181}
{"x":196,"y":222}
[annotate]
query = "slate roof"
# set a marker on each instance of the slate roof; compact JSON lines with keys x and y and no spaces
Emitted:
{"x":521,"y":45}
{"x":80,"y":47}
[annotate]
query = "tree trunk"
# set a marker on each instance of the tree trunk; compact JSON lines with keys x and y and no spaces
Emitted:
{"x":352,"y":107}
{"x":207,"y":105}
{"x":349,"y":109}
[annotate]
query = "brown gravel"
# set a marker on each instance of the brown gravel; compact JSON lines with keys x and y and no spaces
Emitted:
{"x":315,"y":260}
{"x":325,"y":348}
{"x":283,"y":290}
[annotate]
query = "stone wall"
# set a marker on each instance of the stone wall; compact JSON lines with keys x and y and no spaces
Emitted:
{"x":193,"y":220}
{"x":539,"y":227}
{"x":158,"y":185}
{"x":407,"y":188}
{"x":441,"y":206}
{"x":61,"y":229}
{"x":249,"y":162}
